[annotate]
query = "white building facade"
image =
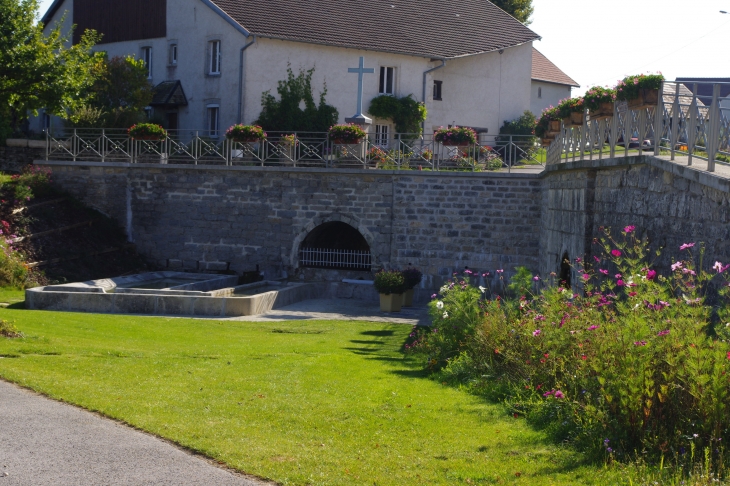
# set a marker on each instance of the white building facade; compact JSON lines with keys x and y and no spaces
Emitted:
{"x":549,"y":84}
{"x":224,"y":65}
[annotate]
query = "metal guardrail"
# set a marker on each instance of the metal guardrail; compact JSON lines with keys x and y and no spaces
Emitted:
{"x":331,"y":258}
{"x":682,"y":122}
{"x":401,"y":151}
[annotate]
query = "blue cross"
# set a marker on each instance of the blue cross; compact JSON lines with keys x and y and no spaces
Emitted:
{"x":360,"y":71}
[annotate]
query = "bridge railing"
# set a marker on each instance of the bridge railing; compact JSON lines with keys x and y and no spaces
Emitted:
{"x":399,"y":151}
{"x":683,"y":122}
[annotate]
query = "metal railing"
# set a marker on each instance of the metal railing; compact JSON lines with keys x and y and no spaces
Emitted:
{"x":400,"y":151}
{"x":329,"y":258}
{"x":682,"y":122}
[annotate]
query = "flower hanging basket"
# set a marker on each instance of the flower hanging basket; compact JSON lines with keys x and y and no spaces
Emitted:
{"x":554,"y":126}
{"x":147,"y":131}
{"x":647,"y":98}
{"x":246,"y":133}
{"x":349,"y":134}
{"x":455,"y":136}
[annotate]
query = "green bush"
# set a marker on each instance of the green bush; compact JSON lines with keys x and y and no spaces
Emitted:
{"x":412,"y":277}
{"x":406,"y":112}
{"x":8,"y":329}
{"x":637,"y":363}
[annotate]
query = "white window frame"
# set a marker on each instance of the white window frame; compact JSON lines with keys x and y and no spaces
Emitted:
{"x":172,"y":53}
{"x":214,"y":57}
{"x":147,"y":58}
{"x":213,"y":124}
{"x":383,"y":86}
{"x":382,"y":136}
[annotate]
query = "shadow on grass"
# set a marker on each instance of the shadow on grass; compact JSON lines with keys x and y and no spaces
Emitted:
{"x":16,"y":305}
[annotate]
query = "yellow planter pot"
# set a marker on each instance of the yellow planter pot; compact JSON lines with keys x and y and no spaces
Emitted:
{"x":391,"y":302}
{"x":408,"y":298}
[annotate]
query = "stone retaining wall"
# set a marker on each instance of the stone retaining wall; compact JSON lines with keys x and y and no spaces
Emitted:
{"x":13,"y":159}
{"x":213,"y":218}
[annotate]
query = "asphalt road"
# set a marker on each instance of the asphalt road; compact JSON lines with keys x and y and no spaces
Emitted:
{"x":44,"y":442}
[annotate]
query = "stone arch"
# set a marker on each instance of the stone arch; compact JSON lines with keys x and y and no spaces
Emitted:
{"x":331,"y":218}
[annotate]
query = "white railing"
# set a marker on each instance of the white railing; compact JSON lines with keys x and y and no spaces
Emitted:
{"x":400,"y":151}
{"x":328,"y":258}
{"x":682,"y":122}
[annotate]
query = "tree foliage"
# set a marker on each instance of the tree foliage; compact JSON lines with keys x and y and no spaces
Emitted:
{"x":519,"y":9}
{"x":406,"y":112}
{"x":118,"y":97}
{"x":39,"y":70}
{"x":287,"y":115}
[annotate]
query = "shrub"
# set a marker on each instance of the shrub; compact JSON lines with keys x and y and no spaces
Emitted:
{"x":150,"y":131}
{"x":32,"y":181}
{"x":13,"y":270}
{"x":543,"y":124}
{"x":246,"y":133}
{"x":406,"y":112}
{"x":8,"y":329}
{"x":597,"y":95}
{"x":628,"y":88}
{"x":390,"y":282}
{"x":347,"y":134}
{"x":455,"y":136}
{"x":637,"y":363}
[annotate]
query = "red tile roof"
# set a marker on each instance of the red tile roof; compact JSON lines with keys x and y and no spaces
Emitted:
{"x":544,"y":70}
{"x":430,"y":28}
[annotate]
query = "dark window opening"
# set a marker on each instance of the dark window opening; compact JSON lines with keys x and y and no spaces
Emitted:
{"x":335,"y":245}
{"x":565,"y":271}
{"x":437,"y":90}
{"x":387,"y":76}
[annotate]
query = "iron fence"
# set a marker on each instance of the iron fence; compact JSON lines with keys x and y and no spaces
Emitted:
{"x":682,"y":122}
{"x":399,"y":151}
{"x":330,"y":258}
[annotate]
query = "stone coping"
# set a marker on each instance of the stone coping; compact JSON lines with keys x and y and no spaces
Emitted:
{"x":718,"y":181}
{"x":516,"y":173}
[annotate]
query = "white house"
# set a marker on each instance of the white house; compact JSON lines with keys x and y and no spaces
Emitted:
{"x":469,"y":61}
{"x":549,"y":83}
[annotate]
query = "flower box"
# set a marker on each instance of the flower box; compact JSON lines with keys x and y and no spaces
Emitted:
{"x":455,"y":136}
{"x":547,"y":141}
{"x":147,"y":131}
{"x":647,"y":98}
{"x":349,"y":134}
{"x":554,"y":126}
{"x":574,"y":120}
{"x":342,"y":141}
{"x":246,"y":134}
{"x":605,"y":110}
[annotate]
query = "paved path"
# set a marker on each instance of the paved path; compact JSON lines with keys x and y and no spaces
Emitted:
{"x":44,"y":442}
{"x":343,"y":310}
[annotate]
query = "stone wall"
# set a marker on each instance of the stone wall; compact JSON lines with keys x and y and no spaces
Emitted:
{"x":669,"y":204}
{"x":215,"y":218}
{"x":13,"y":159}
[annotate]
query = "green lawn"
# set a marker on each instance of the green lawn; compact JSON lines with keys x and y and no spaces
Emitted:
{"x":304,"y":402}
{"x":9,"y":295}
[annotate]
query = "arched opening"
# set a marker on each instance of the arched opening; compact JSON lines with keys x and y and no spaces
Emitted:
{"x":335,"y":245}
{"x":565,"y":271}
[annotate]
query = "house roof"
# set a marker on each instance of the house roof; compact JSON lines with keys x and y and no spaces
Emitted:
{"x":704,"y":87}
{"x":543,"y":69}
{"x":51,"y":11}
{"x":169,"y":93}
{"x":440,"y":29}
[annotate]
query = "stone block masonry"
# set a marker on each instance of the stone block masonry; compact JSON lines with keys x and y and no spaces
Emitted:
{"x":199,"y":218}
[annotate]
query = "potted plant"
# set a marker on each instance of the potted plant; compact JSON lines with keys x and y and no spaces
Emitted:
{"x":147,"y":131}
{"x":455,"y":136}
{"x":600,"y":102}
{"x":349,"y":134}
{"x":571,"y":110}
{"x":640,"y":91}
{"x":412,"y":277}
{"x":246,"y":133}
{"x":390,"y":284}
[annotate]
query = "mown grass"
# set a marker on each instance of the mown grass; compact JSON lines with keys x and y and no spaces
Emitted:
{"x":305,"y":402}
{"x":9,"y":295}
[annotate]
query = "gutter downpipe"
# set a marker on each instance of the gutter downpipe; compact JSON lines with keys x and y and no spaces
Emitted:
{"x":425,"y":73}
{"x":240,"y":80}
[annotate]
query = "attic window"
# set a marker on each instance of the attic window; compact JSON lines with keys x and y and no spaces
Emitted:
{"x":539,"y":92}
{"x":437,"y":90}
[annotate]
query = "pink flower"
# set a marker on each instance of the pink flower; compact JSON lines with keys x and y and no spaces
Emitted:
{"x":536,"y":278}
{"x":639,"y":343}
{"x":547,"y":394}
{"x":593,"y":327}
{"x":651,"y":275}
{"x":629,"y":229}
{"x":616,"y":253}
{"x":536,"y":332}
{"x":605,"y":272}
{"x":686,"y":245}
{"x":596,"y":259}
{"x":676,"y":266}
{"x":620,"y":283}
{"x":586,"y":276}
{"x":632,"y":294}
{"x":559,"y":394}
{"x":663,"y":333}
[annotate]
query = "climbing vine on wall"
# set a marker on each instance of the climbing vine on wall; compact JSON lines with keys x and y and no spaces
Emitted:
{"x":406,"y":112}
